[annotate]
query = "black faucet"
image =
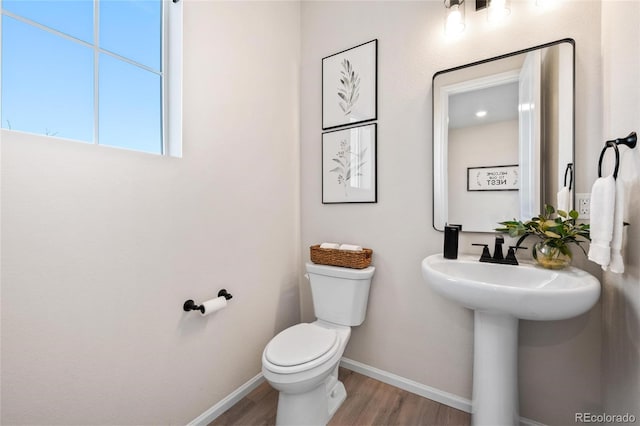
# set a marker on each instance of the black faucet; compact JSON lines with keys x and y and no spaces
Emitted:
{"x":498,"y":256}
{"x":497,"y":248}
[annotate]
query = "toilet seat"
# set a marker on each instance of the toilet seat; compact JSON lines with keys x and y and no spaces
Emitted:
{"x":299,"y":348}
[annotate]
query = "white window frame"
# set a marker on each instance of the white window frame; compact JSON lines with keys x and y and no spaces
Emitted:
{"x":171,"y":73}
{"x":172,"y":83}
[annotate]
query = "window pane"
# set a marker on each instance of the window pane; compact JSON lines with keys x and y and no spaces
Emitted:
{"x":47,"y":83}
{"x":73,"y":17}
{"x":130,"y":106}
{"x":133,"y":29}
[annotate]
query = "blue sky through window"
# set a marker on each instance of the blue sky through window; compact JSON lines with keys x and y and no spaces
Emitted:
{"x":120,"y":120}
{"x":48,"y":70}
{"x":69,"y":16}
{"x":132,"y":29}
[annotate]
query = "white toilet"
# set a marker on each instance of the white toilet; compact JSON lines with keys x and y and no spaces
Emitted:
{"x":302,"y":361}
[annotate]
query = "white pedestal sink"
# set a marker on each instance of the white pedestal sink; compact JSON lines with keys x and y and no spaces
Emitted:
{"x":500,"y":295}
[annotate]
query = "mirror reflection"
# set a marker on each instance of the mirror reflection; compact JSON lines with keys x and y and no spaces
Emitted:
{"x":503,"y":137}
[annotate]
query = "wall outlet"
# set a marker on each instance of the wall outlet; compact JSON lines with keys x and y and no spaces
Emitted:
{"x":583,"y":205}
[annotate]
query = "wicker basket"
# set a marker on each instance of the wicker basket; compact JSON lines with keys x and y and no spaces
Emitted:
{"x":345,"y":258}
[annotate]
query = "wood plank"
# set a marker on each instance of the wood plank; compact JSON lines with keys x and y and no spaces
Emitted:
{"x":369,"y":402}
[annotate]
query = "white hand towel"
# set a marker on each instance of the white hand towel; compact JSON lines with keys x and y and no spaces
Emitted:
{"x":616,"y":264}
{"x":601,"y":229}
{"x":330,"y":245}
{"x":350,"y":247}
{"x":564,"y":199}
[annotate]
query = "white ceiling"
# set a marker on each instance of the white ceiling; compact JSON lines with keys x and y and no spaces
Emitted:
{"x":500,"y":102}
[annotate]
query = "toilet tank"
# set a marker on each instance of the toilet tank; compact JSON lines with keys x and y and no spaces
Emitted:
{"x":340,"y":295}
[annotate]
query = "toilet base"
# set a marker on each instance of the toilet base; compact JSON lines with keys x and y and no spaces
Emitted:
{"x":313,"y":408}
{"x":336,"y":397}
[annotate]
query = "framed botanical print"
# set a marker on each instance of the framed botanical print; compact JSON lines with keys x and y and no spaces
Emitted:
{"x":349,"y":165}
{"x":349,"y":86}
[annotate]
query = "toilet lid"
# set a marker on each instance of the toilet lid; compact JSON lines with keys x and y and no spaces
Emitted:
{"x":300,"y":344}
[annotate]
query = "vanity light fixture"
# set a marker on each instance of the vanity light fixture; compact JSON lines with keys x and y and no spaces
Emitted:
{"x":454,"y":17}
{"x":496,"y":9}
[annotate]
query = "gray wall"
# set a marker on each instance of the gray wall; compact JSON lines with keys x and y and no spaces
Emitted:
{"x":409,"y":330}
{"x":621,"y":293}
{"x":100,"y":247}
{"x":467,"y":147}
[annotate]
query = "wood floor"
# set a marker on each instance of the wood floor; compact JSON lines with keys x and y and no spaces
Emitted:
{"x":369,"y":402}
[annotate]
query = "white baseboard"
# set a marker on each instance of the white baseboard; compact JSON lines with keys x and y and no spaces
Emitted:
{"x":420,"y":389}
{"x":229,"y":401}
{"x":425,"y":391}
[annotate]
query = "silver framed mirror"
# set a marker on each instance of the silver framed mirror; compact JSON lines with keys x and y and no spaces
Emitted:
{"x":503,"y":137}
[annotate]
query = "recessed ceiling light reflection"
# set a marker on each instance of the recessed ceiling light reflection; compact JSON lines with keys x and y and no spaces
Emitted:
{"x":481,"y":113}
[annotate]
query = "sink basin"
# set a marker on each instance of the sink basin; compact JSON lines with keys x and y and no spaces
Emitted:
{"x":500,"y":295}
{"x":525,"y":291}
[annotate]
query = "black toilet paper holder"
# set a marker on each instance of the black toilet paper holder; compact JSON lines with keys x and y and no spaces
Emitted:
{"x":190,"y":305}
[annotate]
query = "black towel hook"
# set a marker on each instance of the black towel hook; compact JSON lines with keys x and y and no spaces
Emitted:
{"x":568,"y":171}
{"x":610,"y":144}
{"x":630,"y":141}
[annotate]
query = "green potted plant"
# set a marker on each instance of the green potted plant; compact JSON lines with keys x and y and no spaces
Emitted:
{"x":556,"y":234}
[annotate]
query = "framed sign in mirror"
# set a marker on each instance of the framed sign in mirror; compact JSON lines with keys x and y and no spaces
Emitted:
{"x":496,"y":178}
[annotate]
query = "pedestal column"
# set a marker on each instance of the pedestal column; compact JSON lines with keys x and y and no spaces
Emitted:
{"x":495,"y":370}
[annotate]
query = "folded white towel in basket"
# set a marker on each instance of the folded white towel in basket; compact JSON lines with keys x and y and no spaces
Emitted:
{"x":330,"y":245}
{"x":350,"y":247}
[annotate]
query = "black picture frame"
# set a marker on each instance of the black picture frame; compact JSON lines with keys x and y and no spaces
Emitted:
{"x":350,"y":86}
{"x":347,"y":154}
